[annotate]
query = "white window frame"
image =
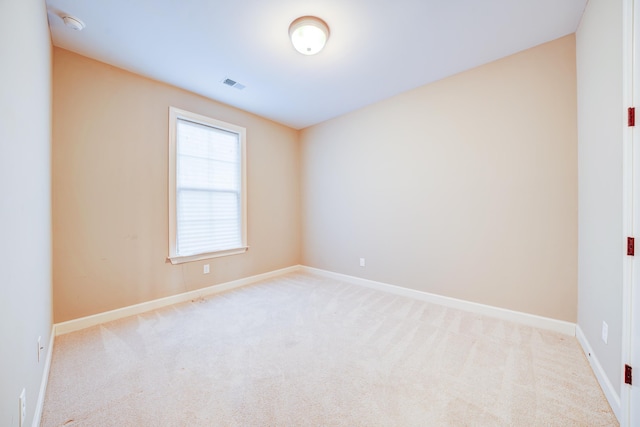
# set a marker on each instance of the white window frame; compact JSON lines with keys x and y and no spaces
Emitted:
{"x":174,"y":115}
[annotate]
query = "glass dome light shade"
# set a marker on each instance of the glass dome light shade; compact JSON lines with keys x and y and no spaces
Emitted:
{"x":308,"y":34}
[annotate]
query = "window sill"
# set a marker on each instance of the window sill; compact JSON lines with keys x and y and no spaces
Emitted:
{"x":182,"y":259}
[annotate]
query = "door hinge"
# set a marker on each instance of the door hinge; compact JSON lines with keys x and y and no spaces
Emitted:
{"x":631,"y":116}
{"x":627,"y":375}
{"x":631,"y":246}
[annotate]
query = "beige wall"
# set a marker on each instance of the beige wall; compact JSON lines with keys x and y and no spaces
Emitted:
{"x":466,"y":187}
{"x":25,"y":204}
{"x":110,"y":219}
{"x":600,"y":131}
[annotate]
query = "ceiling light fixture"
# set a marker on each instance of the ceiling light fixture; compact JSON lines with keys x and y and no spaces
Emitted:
{"x":308,"y":34}
{"x":73,"y":22}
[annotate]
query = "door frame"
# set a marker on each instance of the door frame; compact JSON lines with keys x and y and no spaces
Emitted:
{"x":629,"y":412}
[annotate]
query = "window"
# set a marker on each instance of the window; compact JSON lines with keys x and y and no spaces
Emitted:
{"x":207,"y":190}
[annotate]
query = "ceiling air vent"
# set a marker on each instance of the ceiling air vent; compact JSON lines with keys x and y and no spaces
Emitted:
{"x":233,"y":83}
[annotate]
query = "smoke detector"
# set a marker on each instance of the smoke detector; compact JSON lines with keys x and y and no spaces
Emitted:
{"x":73,"y":22}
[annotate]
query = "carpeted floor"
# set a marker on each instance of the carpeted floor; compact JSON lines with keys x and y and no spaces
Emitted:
{"x":303,"y":350}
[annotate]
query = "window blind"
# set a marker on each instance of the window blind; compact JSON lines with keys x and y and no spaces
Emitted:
{"x":208,"y":189}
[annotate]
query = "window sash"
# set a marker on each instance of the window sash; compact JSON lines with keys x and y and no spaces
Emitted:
{"x":207,"y":194}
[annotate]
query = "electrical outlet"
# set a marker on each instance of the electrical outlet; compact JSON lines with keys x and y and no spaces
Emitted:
{"x":23,"y":407}
{"x":40,"y":348}
{"x":205,"y":270}
{"x":605,"y":331}
{"x":361,"y":262}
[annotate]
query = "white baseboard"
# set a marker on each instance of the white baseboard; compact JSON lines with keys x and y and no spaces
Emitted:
{"x":546,"y":323}
{"x":563,"y":327}
{"x":609,"y":391}
{"x":107,"y":316}
{"x":37,"y":416}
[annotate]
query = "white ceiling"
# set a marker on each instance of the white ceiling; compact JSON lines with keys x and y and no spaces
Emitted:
{"x":377,"y":48}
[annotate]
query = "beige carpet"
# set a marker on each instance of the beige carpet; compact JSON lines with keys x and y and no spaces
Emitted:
{"x":302,"y":350}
